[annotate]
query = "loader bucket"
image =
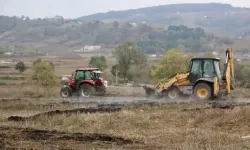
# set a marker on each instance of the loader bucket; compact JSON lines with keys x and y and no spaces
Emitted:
{"x":150,"y":90}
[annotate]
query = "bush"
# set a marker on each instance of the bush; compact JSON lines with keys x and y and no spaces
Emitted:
{"x":20,"y":66}
{"x":43,"y":76}
{"x":242,"y":74}
{"x":98,"y":62}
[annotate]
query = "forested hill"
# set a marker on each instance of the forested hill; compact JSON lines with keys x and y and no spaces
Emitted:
{"x":222,"y":19}
{"x":162,"y":10}
{"x":24,"y":33}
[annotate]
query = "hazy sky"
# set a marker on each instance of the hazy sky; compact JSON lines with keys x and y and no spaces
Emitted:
{"x":77,"y":8}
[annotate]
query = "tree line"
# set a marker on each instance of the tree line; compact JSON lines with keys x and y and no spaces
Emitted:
{"x":132,"y":65}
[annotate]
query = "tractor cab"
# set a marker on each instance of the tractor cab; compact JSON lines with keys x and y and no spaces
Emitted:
{"x":86,"y":75}
{"x":85,"y":81}
{"x":204,"y":69}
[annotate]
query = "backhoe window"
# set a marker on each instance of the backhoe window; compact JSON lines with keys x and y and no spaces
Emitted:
{"x":217,"y":69}
{"x":208,"y":69}
{"x":196,"y":67}
{"x":195,"y":71}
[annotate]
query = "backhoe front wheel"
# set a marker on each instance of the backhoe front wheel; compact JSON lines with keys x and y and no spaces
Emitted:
{"x":203,"y":91}
{"x":173,"y":93}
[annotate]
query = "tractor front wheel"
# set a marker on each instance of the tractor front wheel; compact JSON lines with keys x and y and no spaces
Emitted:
{"x":65,"y":92}
{"x":87,"y":90}
{"x":203,"y":91}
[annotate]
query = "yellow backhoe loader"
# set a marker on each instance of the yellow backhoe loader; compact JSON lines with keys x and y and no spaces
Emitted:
{"x":203,"y":79}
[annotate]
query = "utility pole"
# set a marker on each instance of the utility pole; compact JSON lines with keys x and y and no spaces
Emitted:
{"x":116,"y":73}
{"x":116,"y":79}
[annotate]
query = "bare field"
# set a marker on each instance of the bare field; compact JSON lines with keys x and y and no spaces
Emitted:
{"x":31,"y":120}
{"x":170,"y":126}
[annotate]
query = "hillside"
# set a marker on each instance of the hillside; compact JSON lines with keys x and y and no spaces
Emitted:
{"x":60,"y":35}
{"x":222,"y":19}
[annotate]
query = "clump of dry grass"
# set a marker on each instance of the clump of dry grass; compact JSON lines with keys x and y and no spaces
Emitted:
{"x":24,"y":90}
{"x":165,"y":126}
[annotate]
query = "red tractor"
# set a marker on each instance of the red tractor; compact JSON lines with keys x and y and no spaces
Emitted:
{"x":85,"y":82}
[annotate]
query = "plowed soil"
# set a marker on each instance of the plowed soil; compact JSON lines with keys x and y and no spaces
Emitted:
{"x":64,"y":112}
{"x":19,"y":138}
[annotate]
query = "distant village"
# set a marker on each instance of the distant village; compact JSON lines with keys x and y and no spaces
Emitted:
{"x":87,"y":48}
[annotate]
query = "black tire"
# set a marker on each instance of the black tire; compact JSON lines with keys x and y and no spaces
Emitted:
{"x":203,"y":91}
{"x":86,"y":90}
{"x":65,"y":93}
{"x":173,"y":93}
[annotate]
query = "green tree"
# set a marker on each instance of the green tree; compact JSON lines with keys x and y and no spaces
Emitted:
{"x":39,"y":60}
{"x":242,"y":73}
{"x":113,"y":69}
{"x":174,"y":61}
{"x":52,"y":65}
{"x":98,"y":62}
{"x":1,"y":50}
{"x":20,"y":66}
{"x":43,"y":76}
{"x":128,"y":55}
{"x":115,"y":24}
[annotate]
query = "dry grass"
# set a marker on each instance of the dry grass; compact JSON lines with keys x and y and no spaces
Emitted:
{"x":158,"y":127}
{"x":22,"y":91}
{"x":165,"y":127}
{"x":126,"y":91}
{"x":29,"y":91}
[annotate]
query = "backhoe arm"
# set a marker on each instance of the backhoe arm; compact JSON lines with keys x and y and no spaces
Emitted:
{"x":165,"y":84}
{"x":228,"y":74}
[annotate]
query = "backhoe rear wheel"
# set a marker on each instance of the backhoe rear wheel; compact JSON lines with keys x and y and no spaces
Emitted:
{"x":173,"y":93}
{"x":203,"y":91}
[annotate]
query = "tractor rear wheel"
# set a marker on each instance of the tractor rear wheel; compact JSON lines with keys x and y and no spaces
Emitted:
{"x":87,"y":90}
{"x":173,"y":93}
{"x":203,"y":91}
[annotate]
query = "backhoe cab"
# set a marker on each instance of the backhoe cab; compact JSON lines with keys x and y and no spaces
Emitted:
{"x":204,"y":76}
{"x":203,"y":79}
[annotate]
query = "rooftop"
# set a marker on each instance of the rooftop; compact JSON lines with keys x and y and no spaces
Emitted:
{"x":207,"y":58}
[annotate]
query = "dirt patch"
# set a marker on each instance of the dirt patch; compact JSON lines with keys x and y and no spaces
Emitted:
{"x":65,"y":112}
{"x":220,"y":105}
{"x":229,"y":105}
{"x":3,"y":100}
{"x":20,"y":137}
